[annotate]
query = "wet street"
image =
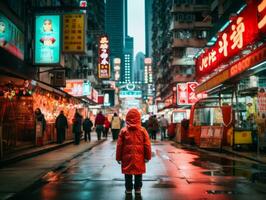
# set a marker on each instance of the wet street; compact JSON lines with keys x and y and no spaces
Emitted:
{"x":174,"y":172}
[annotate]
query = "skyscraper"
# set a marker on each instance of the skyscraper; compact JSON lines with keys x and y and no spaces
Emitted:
{"x":115,"y":27}
{"x":138,"y":70}
{"x":148,"y":27}
{"x":126,"y":70}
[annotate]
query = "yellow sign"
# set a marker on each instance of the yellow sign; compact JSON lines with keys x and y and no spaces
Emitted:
{"x":74,"y":33}
{"x":243,"y":137}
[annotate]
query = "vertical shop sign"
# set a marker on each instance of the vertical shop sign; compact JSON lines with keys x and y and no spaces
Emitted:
{"x":262,"y":100}
{"x":104,"y":59}
{"x":47,"y":40}
{"x":192,"y":97}
{"x":74,"y":33}
{"x":94,"y":95}
{"x":182,"y":94}
{"x":11,"y":38}
{"x":86,"y":88}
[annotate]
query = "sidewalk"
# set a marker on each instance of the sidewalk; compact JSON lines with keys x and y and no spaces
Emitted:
{"x":249,"y":155}
{"x":261,"y":158}
{"x":17,"y":176}
{"x":31,"y":152}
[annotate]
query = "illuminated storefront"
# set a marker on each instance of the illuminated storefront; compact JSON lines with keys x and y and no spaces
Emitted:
{"x":19,"y":99}
{"x":233,"y":70}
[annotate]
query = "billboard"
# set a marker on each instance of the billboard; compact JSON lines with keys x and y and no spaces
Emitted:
{"x":47,"y":40}
{"x":104,"y":69}
{"x":11,"y":38}
{"x":74,"y":33}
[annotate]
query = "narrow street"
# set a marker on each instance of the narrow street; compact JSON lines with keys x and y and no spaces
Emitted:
{"x":174,"y":172}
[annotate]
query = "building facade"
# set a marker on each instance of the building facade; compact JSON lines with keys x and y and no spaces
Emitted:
{"x":127,"y":67}
{"x":180,"y":29}
{"x":148,"y":27}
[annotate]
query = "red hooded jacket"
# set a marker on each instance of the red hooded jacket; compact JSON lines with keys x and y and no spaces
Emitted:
{"x":133,"y":145}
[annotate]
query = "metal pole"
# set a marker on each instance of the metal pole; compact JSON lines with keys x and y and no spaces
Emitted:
{"x":238,"y":117}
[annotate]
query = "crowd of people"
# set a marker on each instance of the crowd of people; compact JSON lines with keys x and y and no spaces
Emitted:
{"x":102,"y":126}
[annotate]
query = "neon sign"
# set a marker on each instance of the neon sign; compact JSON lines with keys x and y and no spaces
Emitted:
{"x":242,"y":31}
{"x":186,"y":93}
{"x":104,"y":59}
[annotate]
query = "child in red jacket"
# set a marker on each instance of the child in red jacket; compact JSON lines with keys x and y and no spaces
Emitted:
{"x":133,"y":150}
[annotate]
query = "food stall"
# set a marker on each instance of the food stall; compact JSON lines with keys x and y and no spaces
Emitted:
{"x":210,"y":124}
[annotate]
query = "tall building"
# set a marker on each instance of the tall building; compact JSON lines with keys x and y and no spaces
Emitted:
{"x":148,"y":27}
{"x":126,"y":69}
{"x":138,"y":69}
{"x":180,"y":29}
{"x":115,"y":23}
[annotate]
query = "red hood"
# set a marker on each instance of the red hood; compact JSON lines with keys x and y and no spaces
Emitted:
{"x":133,"y":118}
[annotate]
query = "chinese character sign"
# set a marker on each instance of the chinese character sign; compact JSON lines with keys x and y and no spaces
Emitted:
{"x":47,"y":39}
{"x":74,"y":33}
{"x":182,"y":94}
{"x":241,"y":31}
{"x":104,"y":59}
{"x":262,"y":15}
{"x":186,"y":93}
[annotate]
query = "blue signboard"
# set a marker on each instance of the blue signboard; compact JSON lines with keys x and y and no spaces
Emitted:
{"x":11,"y":38}
{"x":129,"y":93}
{"x":47,"y":39}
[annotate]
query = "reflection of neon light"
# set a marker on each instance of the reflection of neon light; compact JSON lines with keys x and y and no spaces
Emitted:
{"x":262,"y":7}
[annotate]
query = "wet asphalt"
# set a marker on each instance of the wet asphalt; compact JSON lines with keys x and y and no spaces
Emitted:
{"x":175,"y":172}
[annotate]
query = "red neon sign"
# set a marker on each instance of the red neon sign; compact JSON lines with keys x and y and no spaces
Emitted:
{"x":242,"y":31}
{"x":262,"y":15}
{"x":186,"y":93}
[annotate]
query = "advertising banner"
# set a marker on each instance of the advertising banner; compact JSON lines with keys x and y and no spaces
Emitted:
{"x":47,"y":40}
{"x":11,"y":38}
{"x":74,"y":30}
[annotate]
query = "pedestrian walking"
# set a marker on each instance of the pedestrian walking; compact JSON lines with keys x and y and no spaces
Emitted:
{"x":107,"y":125}
{"x":40,"y":126}
{"x":115,"y":126}
{"x":133,"y":150}
{"x":99,"y":124}
{"x":163,"y":127}
{"x":153,"y":126}
{"x":87,"y":125}
{"x":61,"y":126}
{"x":77,"y":122}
